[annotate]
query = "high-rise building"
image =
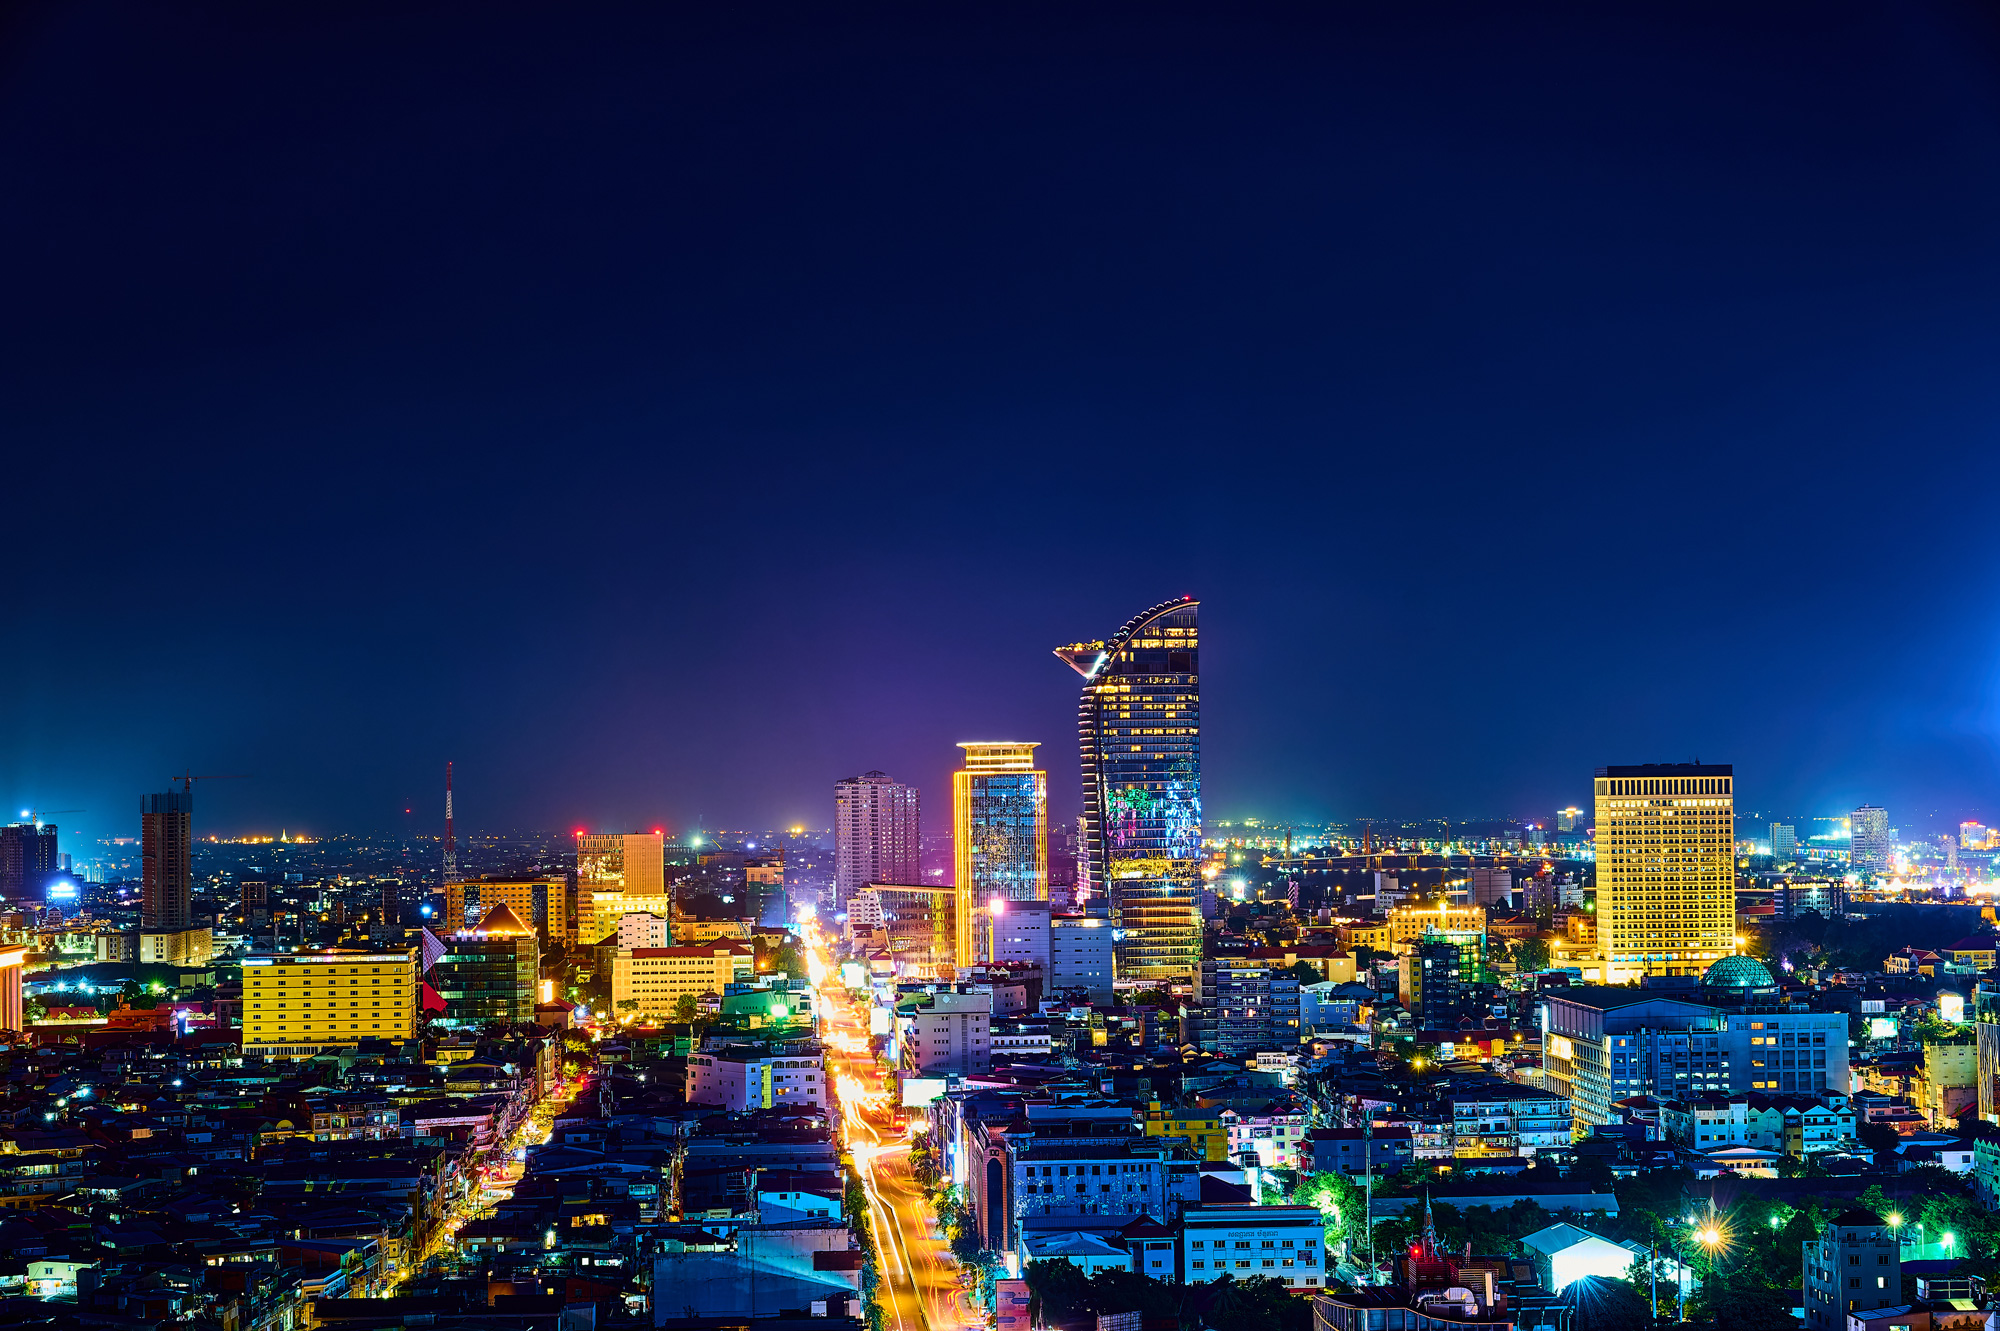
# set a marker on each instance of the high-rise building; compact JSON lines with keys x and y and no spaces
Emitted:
{"x":1444,"y":976}
{"x":1869,"y":848}
{"x":1000,"y":835}
{"x":1566,"y":818}
{"x":1246,"y":1007}
{"x":302,"y":1005}
{"x":1139,"y":736}
{"x":609,"y":864}
{"x":166,"y":837}
{"x":487,"y":973}
{"x":875,"y":829}
{"x":1666,"y":868}
{"x":1784,"y":841}
{"x":27,"y":859}
{"x":1080,"y":956}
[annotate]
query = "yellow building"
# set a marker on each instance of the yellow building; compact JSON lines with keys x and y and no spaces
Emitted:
{"x":297,"y":1006}
{"x":1666,"y":869}
{"x":602,"y":910}
{"x":1374,"y":936}
{"x":653,"y":977}
{"x":633,"y":864}
{"x":535,"y":901}
{"x":1203,"y":1129}
{"x":692,"y":933}
{"x":999,"y":834}
{"x":1409,"y":923}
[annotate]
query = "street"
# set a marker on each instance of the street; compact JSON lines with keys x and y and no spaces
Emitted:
{"x":919,"y":1279}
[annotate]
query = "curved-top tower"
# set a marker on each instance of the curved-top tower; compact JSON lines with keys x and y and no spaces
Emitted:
{"x":1139,"y":732}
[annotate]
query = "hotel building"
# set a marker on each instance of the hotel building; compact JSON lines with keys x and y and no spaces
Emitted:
{"x":1139,"y":736}
{"x":1666,"y":869}
{"x":1000,"y":836}
{"x":300,"y":1005}
{"x":609,"y":864}
{"x":535,"y":901}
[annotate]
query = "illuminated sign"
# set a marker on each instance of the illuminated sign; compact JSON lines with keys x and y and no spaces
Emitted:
{"x":1560,"y":1047}
{"x":1881,"y":1028}
{"x":920,"y":1091}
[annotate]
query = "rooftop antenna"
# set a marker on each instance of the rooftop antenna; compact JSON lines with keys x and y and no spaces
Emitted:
{"x":450,"y":840}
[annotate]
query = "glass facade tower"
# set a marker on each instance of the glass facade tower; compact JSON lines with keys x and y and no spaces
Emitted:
{"x":1000,"y":836}
{"x":1139,"y":732}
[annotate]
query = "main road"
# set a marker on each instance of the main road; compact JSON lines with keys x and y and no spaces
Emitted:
{"x":918,"y":1277}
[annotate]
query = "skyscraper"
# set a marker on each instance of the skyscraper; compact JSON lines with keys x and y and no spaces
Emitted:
{"x":1870,"y":845}
{"x":1139,"y":733}
{"x":27,"y":859}
{"x":875,"y":825}
{"x":1666,"y":868}
{"x":166,"y":834}
{"x":1784,"y":841}
{"x":1000,"y":835}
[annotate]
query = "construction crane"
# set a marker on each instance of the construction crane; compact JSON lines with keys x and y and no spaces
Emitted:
{"x":187,"y":779}
{"x":36,"y":816}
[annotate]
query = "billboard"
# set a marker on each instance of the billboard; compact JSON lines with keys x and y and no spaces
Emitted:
{"x":1881,"y":1028}
{"x":920,"y":1091}
{"x":854,"y":975}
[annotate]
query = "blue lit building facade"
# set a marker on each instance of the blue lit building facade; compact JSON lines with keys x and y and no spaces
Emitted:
{"x":1000,"y":838}
{"x":1139,"y":733}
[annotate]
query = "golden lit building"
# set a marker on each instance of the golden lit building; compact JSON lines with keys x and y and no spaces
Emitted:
{"x":920,"y":923}
{"x":1409,"y":923}
{"x":999,"y":834}
{"x":1666,"y":869}
{"x":631,"y":863}
{"x":300,"y":1005}
{"x":534,"y":901}
{"x":653,"y":977}
{"x":601,"y":912}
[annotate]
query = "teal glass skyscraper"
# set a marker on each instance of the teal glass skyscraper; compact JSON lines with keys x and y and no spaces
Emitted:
{"x":1139,"y":733}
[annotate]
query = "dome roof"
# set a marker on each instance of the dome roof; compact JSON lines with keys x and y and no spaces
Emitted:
{"x":1738,"y":973}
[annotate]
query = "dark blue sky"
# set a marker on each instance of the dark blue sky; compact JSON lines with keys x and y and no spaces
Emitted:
{"x":665,"y":410}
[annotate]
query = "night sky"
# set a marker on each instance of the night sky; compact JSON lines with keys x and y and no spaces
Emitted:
{"x":666,"y":410}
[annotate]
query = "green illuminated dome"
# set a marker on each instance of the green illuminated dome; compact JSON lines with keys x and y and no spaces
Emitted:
{"x":1738,"y":973}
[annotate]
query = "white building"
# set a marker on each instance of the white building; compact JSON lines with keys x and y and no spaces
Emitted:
{"x":1269,"y":1141}
{"x":640,"y":929}
{"x":864,"y":912}
{"x":1008,"y":1044}
{"x":874,"y":834}
{"x":1080,"y":956}
{"x":1564,"y":1253}
{"x":747,"y":1078}
{"x":1017,"y":935}
{"x":953,"y":1034}
{"x":1286,"y":1243}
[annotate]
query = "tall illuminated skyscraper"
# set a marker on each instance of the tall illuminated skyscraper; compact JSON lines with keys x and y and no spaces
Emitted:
{"x":1139,"y":733}
{"x":875,"y":825}
{"x":166,"y":834}
{"x":1869,"y":827}
{"x":1666,"y":868}
{"x":999,"y":835}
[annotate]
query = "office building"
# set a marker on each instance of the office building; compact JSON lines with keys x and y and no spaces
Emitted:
{"x":875,"y":830}
{"x":1666,"y":869}
{"x":1856,"y":1263}
{"x":191,"y":948}
{"x":601,"y":912}
{"x":166,"y":837}
{"x":1566,"y":819}
{"x":609,"y":865}
{"x":1242,"y":1240}
{"x":300,"y":1006}
{"x":1975,"y":836}
{"x":639,"y":929}
{"x":1000,"y":834}
{"x":1246,"y":1007}
{"x":535,"y":901}
{"x":487,"y":973}
{"x":1080,"y":956}
{"x":256,"y":905}
{"x":1139,"y":736}
{"x":28,"y":859}
{"x":1784,"y":841}
{"x":1601,"y":1045}
{"x":650,"y":980}
{"x":921,"y":923}
{"x":1492,"y":886}
{"x":1822,"y":897}
{"x":1869,"y":847}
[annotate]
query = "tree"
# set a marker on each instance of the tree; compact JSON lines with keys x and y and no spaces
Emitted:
{"x":1879,"y":1138}
{"x":1340,"y":1201}
{"x":1532,"y":954}
{"x":1057,"y":1291}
